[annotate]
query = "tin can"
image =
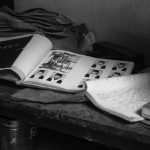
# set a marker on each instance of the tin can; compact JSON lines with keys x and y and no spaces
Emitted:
{"x":17,"y":135}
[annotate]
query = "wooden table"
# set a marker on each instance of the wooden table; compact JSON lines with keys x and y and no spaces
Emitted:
{"x":79,"y":119}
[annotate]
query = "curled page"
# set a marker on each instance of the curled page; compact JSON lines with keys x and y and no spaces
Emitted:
{"x":32,"y":54}
{"x":121,"y":96}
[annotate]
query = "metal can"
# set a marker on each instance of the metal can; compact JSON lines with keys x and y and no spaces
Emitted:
{"x":17,"y":134}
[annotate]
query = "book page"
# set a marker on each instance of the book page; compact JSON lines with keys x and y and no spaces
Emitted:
{"x":69,"y":71}
{"x":37,"y":48}
{"x":121,"y":96}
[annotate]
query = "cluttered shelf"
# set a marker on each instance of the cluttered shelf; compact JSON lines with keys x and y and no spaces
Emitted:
{"x":70,"y":113}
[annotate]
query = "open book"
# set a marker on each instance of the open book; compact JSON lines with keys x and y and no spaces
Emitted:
{"x":121,"y":96}
{"x":30,"y":60}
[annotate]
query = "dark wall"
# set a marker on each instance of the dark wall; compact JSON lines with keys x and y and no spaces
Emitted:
{"x":124,"y":22}
{"x":9,"y":3}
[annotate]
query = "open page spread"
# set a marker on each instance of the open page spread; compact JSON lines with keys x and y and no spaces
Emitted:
{"x":122,"y":96}
{"x":35,"y":50}
{"x":64,"y":70}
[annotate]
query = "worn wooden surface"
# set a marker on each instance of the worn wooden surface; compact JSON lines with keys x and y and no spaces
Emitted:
{"x":79,"y":119}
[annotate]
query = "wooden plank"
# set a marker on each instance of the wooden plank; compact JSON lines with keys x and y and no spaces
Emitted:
{"x":79,"y":119}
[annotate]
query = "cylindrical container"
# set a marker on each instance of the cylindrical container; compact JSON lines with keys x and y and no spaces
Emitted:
{"x":17,"y":135}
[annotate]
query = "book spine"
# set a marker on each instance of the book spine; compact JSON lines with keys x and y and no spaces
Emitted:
{"x":18,"y":72}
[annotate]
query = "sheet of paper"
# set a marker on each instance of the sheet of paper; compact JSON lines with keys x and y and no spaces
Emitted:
{"x":121,"y":96}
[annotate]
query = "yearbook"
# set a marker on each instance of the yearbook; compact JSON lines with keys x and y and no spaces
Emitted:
{"x":30,"y":60}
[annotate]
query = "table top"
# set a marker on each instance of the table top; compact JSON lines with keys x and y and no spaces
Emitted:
{"x":83,"y":120}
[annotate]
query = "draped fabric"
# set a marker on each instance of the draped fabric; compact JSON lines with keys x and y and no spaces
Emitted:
{"x":59,"y":29}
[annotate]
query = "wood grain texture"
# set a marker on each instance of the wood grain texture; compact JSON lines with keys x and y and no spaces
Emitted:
{"x":79,"y":119}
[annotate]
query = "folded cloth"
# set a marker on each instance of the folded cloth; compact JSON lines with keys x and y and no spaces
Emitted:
{"x":63,"y":33}
{"x":47,"y":96}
